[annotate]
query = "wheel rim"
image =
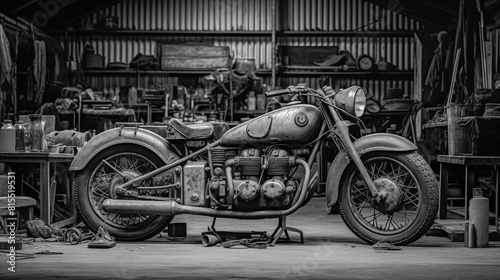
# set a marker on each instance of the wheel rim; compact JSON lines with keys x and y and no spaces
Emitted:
{"x":403,"y":199}
{"x":103,"y":180}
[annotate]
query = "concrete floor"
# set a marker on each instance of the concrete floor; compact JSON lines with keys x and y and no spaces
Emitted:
{"x":330,"y":251}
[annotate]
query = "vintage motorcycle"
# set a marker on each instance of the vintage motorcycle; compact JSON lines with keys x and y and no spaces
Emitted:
{"x":134,"y":180}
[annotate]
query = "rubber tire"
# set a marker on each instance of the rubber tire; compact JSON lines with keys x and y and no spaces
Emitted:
{"x":86,"y":212}
{"x":425,"y":218}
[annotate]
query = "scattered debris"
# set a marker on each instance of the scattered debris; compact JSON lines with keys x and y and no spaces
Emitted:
{"x":384,"y":245}
{"x":254,"y":242}
{"x":47,"y":252}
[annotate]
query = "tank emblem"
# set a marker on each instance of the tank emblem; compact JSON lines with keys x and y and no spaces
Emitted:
{"x":301,"y":119}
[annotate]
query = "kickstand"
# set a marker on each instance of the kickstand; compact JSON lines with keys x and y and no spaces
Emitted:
{"x":213,"y":230}
{"x":282,"y":228}
{"x":213,"y":224}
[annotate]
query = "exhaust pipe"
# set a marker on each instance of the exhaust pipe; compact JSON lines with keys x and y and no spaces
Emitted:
{"x":172,"y":208}
{"x":137,"y":206}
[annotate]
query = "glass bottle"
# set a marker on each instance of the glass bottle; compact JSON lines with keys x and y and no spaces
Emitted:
{"x":36,"y":132}
{"x":7,"y":137}
{"x":27,"y":136}
{"x":251,"y":101}
{"x":20,"y":136}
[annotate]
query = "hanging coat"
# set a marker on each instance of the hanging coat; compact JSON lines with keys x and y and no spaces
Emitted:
{"x":436,"y":78}
{"x":40,"y":67}
{"x":5,"y":59}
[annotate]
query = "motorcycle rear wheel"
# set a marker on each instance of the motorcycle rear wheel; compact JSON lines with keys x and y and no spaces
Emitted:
{"x":94,"y":183}
{"x":412,"y":202}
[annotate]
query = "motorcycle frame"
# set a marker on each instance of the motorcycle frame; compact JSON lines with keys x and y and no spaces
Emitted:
{"x":308,"y":182}
{"x":336,"y":126}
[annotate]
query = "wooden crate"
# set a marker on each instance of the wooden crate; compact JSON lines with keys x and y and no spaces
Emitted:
{"x":189,"y":57}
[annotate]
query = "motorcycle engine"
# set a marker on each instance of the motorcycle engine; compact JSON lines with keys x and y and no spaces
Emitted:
{"x":259,"y":181}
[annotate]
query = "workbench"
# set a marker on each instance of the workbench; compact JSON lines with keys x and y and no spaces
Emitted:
{"x":469,"y":162}
{"x":43,"y":161}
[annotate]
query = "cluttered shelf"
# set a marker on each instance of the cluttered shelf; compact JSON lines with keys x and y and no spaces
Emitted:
{"x":133,"y":72}
{"x":332,"y":71}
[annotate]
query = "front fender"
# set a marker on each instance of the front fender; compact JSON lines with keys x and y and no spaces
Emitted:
{"x":377,"y":142}
{"x":125,"y":135}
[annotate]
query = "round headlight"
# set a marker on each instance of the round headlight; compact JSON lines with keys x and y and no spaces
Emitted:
{"x":359,"y":102}
{"x":352,"y":99}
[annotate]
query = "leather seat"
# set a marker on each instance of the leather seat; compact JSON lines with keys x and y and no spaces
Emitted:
{"x":192,"y":131}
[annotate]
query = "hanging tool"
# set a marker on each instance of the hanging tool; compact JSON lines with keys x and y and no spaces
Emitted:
{"x":453,"y":78}
{"x":482,"y":47}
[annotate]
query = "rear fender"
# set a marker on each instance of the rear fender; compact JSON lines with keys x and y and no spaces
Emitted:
{"x":378,"y":142}
{"x":125,"y":135}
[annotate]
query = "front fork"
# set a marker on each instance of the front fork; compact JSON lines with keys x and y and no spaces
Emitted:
{"x":340,"y":128}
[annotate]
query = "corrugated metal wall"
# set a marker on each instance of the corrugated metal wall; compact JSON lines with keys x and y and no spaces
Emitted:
{"x":189,"y":15}
{"x":254,"y":15}
{"x":358,"y":15}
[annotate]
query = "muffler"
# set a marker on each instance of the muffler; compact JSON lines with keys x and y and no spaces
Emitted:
{"x":140,"y":206}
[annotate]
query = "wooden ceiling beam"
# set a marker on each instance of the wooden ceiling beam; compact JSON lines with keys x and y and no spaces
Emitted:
{"x":419,"y":11}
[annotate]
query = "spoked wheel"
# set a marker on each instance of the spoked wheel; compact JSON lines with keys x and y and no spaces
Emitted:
{"x":99,"y":180}
{"x":409,"y":204}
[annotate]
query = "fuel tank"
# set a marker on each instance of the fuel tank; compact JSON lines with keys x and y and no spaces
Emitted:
{"x":297,"y":124}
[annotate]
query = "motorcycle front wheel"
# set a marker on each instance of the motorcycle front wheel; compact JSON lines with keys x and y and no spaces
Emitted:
{"x":410,"y":201}
{"x":97,"y":182}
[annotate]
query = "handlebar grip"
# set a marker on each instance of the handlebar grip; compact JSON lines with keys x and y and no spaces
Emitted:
{"x":277,"y":92}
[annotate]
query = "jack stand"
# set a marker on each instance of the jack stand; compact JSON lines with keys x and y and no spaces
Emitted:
{"x":282,"y":228}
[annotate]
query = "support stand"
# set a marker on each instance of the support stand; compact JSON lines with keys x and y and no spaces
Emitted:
{"x":282,"y":228}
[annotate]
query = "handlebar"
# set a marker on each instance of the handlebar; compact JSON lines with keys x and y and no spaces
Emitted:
{"x":277,"y":92}
{"x":288,"y":90}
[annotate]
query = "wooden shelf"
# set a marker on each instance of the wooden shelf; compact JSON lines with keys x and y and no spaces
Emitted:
{"x":120,"y":32}
{"x":400,"y":74}
{"x":105,"y":72}
{"x":207,"y":33}
{"x":360,"y":33}
{"x":263,"y":72}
